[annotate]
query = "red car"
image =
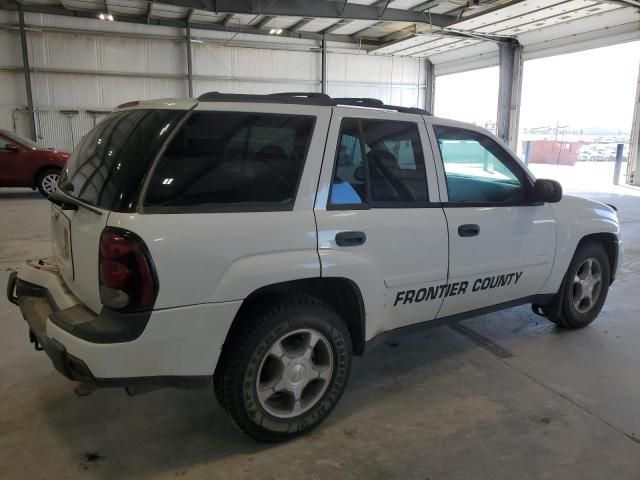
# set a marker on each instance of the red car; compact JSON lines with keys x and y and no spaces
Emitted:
{"x":24,"y":164}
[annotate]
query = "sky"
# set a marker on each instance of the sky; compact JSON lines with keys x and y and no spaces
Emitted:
{"x":593,"y":88}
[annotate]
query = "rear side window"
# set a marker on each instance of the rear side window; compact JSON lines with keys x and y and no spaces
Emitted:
{"x":379,"y":163}
{"x":231,"y":161}
{"x":107,"y":167}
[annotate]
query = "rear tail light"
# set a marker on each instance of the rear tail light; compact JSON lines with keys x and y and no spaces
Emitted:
{"x":127,"y":276}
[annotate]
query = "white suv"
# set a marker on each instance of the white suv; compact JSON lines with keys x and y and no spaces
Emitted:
{"x":256,"y":242}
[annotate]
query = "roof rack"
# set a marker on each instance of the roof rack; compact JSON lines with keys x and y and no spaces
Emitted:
{"x":375,"y":103}
{"x":296,"y":98}
{"x":308,"y":98}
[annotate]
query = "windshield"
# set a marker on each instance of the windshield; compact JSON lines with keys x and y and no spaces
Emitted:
{"x":107,"y":168}
{"x":20,"y":139}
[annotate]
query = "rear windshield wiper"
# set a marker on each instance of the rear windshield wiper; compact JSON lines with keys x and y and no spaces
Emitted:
{"x":67,"y":202}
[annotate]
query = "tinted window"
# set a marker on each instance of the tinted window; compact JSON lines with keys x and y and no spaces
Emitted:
{"x":12,"y":137}
{"x":379,"y":162}
{"x":477,"y":169}
{"x":3,"y":143}
{"x":107,"y":167}
{"x":231,"y":160}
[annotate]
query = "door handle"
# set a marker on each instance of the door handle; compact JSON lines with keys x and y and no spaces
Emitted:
{"x":468,"y":230}
{"x":350,"y":239}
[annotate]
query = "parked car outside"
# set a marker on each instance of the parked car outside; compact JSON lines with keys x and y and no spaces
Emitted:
{"x":23,"y":163}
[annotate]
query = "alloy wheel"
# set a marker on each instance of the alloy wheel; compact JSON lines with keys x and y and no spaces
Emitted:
{"x":49,"y":182}
{"x":587,"y":285}
{"x":294,"y":373}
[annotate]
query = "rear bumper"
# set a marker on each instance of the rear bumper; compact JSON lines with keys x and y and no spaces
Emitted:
{"x":36,"y":306}
{"x":176,"y":347}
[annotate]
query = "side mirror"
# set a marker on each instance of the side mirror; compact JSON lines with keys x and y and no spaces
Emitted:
{"x":10,"y":147}
{"x":548,"y":191}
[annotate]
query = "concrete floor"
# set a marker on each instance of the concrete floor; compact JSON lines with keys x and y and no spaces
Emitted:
{"x":431,"y":406}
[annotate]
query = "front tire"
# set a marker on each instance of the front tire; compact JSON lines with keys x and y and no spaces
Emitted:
{"x":585,"y":287}
{"x":47,"y":181}
{"x":287,"y":370}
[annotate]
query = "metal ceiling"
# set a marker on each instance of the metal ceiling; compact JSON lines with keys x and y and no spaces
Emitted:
{"x":414,"y":28}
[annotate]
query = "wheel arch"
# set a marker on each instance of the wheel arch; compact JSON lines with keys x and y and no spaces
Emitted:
{"x":342,"y":294}
{"x":610,"y":243}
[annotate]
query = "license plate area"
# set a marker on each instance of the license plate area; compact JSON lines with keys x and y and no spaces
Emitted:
{"x":61,"y":237}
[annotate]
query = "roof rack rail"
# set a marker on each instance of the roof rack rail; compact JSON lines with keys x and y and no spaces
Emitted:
{"x":300,"y":94}
{"x":375,"y":103}
{"x":360,"y":101}
{"x":296,"y":98}
{"x":308,"y":98}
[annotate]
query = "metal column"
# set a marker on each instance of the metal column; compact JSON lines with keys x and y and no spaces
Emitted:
{"x":189,"y":62}
{"x":27,"y":75}
{"x":509,"y":92}
{"x":323,"y":79}
{"x":430,"y":86}
{"x":633,"y":167}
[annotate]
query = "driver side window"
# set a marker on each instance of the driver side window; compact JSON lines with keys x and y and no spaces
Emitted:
{"x":477,"y":169}
{"x":4,"y":143}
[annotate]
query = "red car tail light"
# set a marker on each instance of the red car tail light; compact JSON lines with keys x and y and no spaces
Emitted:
{"x":127,"y":276}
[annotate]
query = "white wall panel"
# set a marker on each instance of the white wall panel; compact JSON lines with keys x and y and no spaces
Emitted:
{"x":10,"y":53}
{"x":12,"y":91}
{"x":64,"y":90}
{"x":166,"y":88}
{"x":166,"y":57}
{"x":395,"y":80}
{"x":55,"y":50}
{"x":217,"y":60}
{"x":83,"y":70}
{"x":122,"y":55}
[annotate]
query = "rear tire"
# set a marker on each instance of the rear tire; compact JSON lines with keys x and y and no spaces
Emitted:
{"x":287,"y":369}
{"x":585,"y":287}
{"x":47,"y":181}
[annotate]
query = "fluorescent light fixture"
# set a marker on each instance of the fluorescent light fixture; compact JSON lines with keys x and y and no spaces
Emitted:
{"x":106,"y":16}
{"x":275,"y":31}
{"x":193,"y":40}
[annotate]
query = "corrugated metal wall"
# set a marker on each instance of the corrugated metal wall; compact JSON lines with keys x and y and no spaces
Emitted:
{"x":56,"y":128}
{"x":99,"y":65}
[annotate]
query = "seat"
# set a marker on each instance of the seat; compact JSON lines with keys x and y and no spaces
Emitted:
{"x":275,"y":176}
{"x":386,"y":178}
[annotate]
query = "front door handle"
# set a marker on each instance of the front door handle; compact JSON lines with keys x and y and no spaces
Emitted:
{"x":350,"y":239}
{"x":468,"y":230}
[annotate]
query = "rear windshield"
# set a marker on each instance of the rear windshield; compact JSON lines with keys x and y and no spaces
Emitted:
{"x":231,"y":161}
{"x":107,"y":167}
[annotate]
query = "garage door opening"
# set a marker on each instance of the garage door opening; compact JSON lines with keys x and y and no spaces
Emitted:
{"x":469,"y":96}
{"x":576,"y":109}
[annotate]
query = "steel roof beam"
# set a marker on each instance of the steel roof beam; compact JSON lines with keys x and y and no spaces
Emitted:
{"x":263,"y":23}
{"x":628,"y":3}
{"x":316,"y":9}
{"x":340,"y":24}
{"x":180,"y":23}
{"x":421,"y":7}
{"x":299,"y":24}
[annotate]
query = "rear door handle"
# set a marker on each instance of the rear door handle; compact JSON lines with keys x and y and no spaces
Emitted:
{"x":350,"y":239}
{"x":468,"y":230}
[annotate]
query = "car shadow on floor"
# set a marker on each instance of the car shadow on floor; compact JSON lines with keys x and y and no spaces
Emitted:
{"x":7,"y":193}
{"x":171,"y":430}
